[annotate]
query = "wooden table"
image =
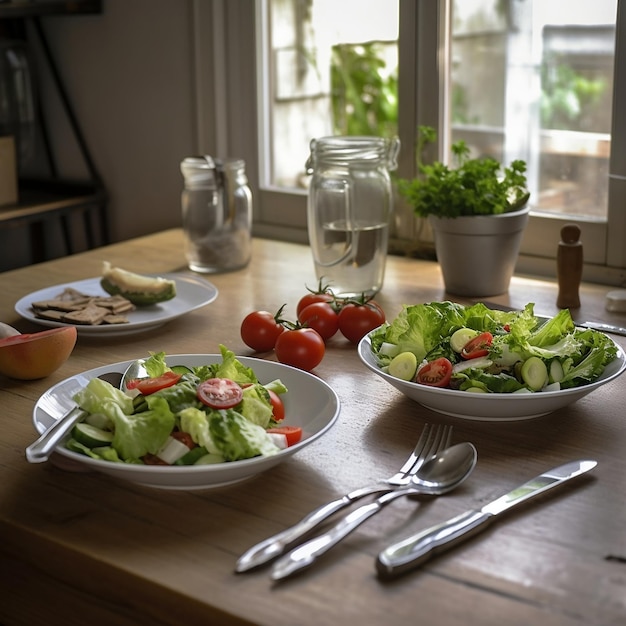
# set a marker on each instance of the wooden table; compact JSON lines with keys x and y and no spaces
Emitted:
{"x":82,"y":548}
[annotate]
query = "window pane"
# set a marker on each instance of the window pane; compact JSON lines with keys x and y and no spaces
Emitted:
{"x":333,"y":71}
{"x":534,"y":80}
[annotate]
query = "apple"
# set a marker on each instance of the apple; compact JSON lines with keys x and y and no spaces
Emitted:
{"x":36,"y":355}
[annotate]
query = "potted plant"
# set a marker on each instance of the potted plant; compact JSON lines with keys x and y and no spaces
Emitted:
{"x":478,"y":212}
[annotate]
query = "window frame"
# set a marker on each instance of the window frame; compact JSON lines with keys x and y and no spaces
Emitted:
{"x":231,"y":121}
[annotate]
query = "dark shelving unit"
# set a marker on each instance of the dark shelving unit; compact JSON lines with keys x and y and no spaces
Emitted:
{"x":52,"y":197}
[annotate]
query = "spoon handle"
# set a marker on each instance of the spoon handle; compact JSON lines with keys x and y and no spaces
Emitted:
{"x":41,"y":449}
{"x":306,"y":554}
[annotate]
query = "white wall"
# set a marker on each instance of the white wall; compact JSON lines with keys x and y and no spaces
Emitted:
{"x":129,"y":74}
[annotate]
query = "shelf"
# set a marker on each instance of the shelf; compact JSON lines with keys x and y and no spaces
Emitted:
{"x":38,"y":8}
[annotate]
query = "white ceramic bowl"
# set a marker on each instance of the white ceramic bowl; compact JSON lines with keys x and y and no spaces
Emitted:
{"x":497,"y":407}
{"x":309,"y":402}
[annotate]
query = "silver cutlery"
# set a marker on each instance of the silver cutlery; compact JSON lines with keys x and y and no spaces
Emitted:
{"x":441,"y":474}
{"x":411,"y":552}
{"x":432,"y":440}
{"x":66,"y":413}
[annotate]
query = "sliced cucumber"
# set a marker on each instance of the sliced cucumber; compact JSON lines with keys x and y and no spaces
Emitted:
{"x":91,"y":436}
{"x":181,"y":369}
{"x":556,"y":371}
{"x":460,"y":337}
{"x":403,"y":366}
{"x":476,"y":390}
{"x":534,"y":373}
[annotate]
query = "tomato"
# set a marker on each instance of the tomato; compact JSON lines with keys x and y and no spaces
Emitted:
{"x":435,"y":373}
{"x":323,"y":294}
{"x":152,"y":459}
{"x":184,"y":438}
{"x":292,"y":433}
{"x":300,"y":347}
{"x":278,"y":408}
{"x":260,"y":330}
{"x":320,"y":316}
{"x":478,"y":346}
{"x":219,"y":393}
{"x":312,"y":298}
{"x":146,"y":386}
{"x":356,"y":319}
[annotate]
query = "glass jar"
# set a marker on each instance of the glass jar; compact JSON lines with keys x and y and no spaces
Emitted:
{"x":349,"y":207}
{"x":217,"y":214}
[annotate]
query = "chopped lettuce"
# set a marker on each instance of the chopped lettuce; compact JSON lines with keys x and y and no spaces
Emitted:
{"x":98,"y":393}
{"x":142,"y":433}
{"x":238,"y":438}
{"x":425,"y":330}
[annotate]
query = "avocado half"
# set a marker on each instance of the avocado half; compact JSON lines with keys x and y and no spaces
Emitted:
{"x":140,"y":290}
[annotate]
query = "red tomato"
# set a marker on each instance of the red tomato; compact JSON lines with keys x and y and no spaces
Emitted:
{"x":184,"y":438}
{"x":300,"y":347}
{"x":278,"y":408}
{"x":152,"y":459}
{"x":435,"y":373}
{"x":146,"y":386}
{"x":320,"y":316}
{"x":478,"y":346}
{"x":356,"y":320}
{"x":292,"y":433}
{"x":219,"y":393}
{"x":260,"y":330}
{"x":312,"y":298}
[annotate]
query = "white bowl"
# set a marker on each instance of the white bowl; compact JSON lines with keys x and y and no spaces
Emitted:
{"x":496,"y":407}
{"x":309,"y":402}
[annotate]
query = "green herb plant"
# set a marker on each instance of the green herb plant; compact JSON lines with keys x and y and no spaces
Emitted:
{"x":477,"y":186}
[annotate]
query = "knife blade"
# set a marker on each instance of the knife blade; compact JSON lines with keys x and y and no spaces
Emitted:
{"x":415,"y":550}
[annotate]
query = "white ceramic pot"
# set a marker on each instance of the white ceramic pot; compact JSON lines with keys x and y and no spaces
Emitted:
{"x":477,"y":253}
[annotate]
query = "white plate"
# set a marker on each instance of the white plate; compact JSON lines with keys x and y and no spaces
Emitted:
{"x":491,"y":407}
{"x":191,"y":293}
{"x":309,"y":402}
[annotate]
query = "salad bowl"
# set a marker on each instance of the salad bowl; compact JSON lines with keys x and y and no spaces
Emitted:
{"x":309,"y":403}
{"x":496,"y":407}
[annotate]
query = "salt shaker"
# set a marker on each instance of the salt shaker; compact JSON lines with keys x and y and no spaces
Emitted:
{"x":569,"y":267}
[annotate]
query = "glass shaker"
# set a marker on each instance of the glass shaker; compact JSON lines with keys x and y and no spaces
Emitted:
{"x":217,"y":214}
{"x":349,"y":208}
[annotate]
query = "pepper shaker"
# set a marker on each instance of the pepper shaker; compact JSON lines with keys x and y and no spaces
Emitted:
{"x":569,"y":264}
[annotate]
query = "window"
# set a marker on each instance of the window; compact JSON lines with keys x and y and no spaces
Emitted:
{"x":514,"y":78}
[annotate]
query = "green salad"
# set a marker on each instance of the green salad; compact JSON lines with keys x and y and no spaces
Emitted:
{"x":477,"y":349}
{"x":183,"y":416}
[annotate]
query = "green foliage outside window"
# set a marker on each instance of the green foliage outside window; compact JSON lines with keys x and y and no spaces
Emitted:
{"x":364,"y":93}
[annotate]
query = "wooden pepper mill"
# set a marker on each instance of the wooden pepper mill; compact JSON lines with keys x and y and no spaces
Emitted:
{"x":569,"y":267}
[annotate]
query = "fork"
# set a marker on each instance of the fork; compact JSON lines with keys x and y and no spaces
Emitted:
{"x":432,"y":440}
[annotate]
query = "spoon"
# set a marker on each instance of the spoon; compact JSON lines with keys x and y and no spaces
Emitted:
{"x":135,"y":370}
{"x":41,"y":449}
{"x":437,"y":476}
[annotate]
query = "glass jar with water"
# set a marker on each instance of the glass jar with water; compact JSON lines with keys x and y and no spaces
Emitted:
{"x":349,"y":207}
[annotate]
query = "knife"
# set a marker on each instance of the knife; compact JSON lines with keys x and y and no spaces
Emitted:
{"x":411,"y":552}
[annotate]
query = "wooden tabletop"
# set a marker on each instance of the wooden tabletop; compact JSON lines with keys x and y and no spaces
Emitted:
{"x":83,"y":548}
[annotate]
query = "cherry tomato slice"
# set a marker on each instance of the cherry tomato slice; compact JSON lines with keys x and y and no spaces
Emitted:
{"x":219,"y":393}
{"x":146,"y":386}
{"x":478,"y":346}
{"x":435,"y":373}
{"x":292,"y":433}
{"x":278,"y":408}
